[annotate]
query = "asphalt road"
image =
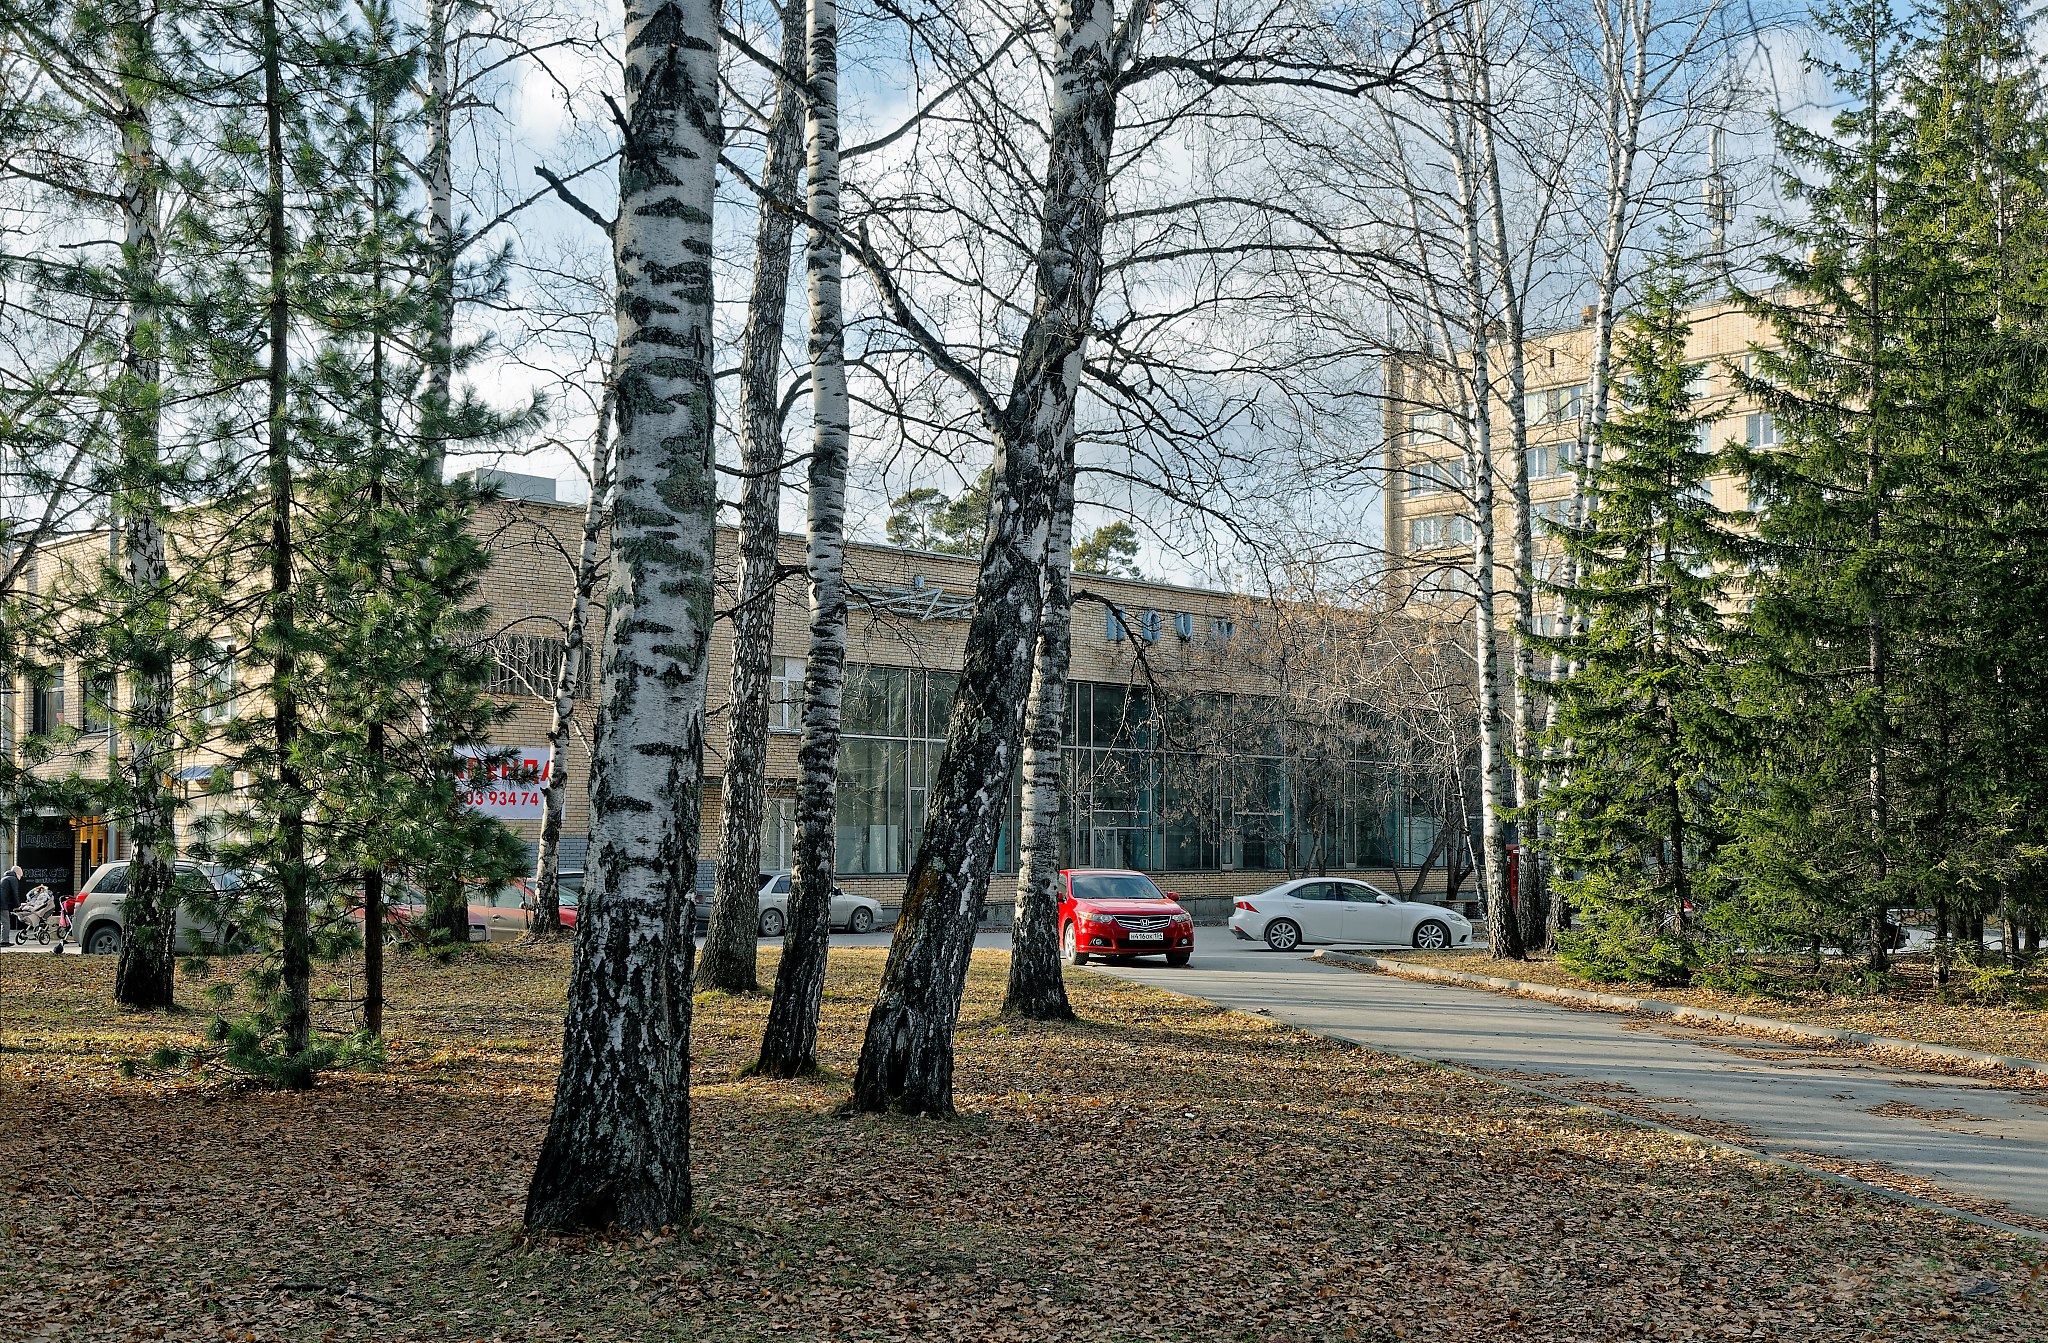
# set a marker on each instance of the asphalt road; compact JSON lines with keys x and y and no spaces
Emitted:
{"x":1957,"y":1132}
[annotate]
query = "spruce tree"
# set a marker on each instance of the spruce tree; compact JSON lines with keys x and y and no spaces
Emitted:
{"x":1898,"y":513}
{"x":1814,"y":830}
{"x":1641,"y":722}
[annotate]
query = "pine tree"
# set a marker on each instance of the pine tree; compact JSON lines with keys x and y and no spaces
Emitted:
{"x":393,"y":568}
{"x":1641,"y":722}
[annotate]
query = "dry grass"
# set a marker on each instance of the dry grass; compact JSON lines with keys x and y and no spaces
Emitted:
{"x":1910,"y":1008}
{"x":1164,"y":1170}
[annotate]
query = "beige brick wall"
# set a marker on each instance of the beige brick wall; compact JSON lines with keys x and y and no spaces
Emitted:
{"x":1721,"y":336}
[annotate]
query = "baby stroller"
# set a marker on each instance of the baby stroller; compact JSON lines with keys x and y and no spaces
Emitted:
{"x":39,"y":916}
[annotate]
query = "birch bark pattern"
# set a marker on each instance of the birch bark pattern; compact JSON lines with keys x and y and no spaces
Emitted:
{"x":906,"y":1060}
{"x":1533,"y":926}
{"x":547,"y":870}
{"x":617,"y":1146}
{"x":789,"y":1042}
{"x":1502,"y":928}
{"x":145,"y":975}
{"x":1038,"y":988}
{"x":729,"y":961}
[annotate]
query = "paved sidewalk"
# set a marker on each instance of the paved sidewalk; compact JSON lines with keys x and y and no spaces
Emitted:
{"x":1959,"y":1133}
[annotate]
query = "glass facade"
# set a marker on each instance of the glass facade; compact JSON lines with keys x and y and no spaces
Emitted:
{"x":1210,"y":783}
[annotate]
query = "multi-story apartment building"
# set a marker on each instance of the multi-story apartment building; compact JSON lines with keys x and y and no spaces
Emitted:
{"x":1428,"y":508}
{"x":1181,"y":760}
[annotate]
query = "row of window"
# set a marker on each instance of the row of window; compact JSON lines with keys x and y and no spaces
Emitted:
{"x":1160,"y":811}
{"x":1147,"y":625}
{"x":46,"y":693}
{"x":1550,"y":460}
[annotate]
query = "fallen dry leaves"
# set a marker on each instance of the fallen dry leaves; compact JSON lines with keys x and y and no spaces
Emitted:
{"x":1163,"y":1170}
{"x":1908,"y":1010}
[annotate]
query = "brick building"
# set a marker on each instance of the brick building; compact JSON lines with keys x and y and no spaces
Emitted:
{"x":1428,"y":516}
{"x":1177,"y":761}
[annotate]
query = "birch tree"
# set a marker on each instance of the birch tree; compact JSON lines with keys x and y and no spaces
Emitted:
{"x":790,"y":1040}
{"x":906,"y":1060}
{"x":617,"y":1146}
{"x":728,"y":962}
{"x":590,"y":560}
{"x":1655,"y":73}
{"x":1037,"y":988}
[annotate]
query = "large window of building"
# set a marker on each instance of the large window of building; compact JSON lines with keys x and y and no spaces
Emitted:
{"x":1206,"y":783}
{"x":893,"y":722}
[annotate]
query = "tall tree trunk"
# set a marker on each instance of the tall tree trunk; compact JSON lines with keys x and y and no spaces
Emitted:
{"x":1877,"y":635}
{"x":547,"y":871}
{"x":144,"y":976}
{"x":1503,"y":928}
{"x":373,"y":916}
{"x":617,"y":1147}
{"x":294,"y":874}
{"x":789,"y":1043}
{"x":1533,"y":927}
{"x":437,"y":395}
{"x":729,"y":962}
{"x":906,"y":1060}
{"x":1624,"y":65}
{"x":1037,"y":988}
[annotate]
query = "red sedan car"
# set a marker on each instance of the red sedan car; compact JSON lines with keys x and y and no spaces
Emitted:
{"x":1122,"y":914}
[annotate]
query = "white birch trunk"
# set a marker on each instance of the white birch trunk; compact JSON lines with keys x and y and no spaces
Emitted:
{"x":728,"y":962}
{"x":789,"y":1042}
{"x":906,"y":1060}
{"x":1522,"y":556}
{"x":617,"y":1147}
{"x":1503,"y":929}
{"x":1037,"y":988}
{"x":547,"y":874}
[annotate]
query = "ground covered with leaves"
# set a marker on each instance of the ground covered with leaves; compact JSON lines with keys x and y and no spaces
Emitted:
{"x":1906,"y":1003}
{"x":1162,"y":1170}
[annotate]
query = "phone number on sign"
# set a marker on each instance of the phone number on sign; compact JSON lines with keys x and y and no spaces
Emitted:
{"x":490,"y":798}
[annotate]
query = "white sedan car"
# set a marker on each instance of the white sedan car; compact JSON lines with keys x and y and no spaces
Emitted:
{"x":854,"y":913}
{"x":1333,"y":909}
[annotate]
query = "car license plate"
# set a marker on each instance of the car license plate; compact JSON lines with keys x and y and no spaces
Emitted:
{"x":1148,"y":937}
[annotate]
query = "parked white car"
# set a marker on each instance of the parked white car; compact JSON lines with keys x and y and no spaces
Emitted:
{"x":854,"y":913}
{"x":98,"y":923}
{"x":1343,"y":909}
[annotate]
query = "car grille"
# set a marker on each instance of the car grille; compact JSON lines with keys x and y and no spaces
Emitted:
{"x":1143,"y":923}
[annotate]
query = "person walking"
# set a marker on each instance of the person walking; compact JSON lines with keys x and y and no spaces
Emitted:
{"x":11,"y":896}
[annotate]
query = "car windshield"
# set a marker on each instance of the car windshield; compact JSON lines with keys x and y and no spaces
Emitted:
{"x":1114,"y":886}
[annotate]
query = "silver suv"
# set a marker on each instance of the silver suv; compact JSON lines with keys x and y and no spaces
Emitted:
{"x":97,"y":920}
